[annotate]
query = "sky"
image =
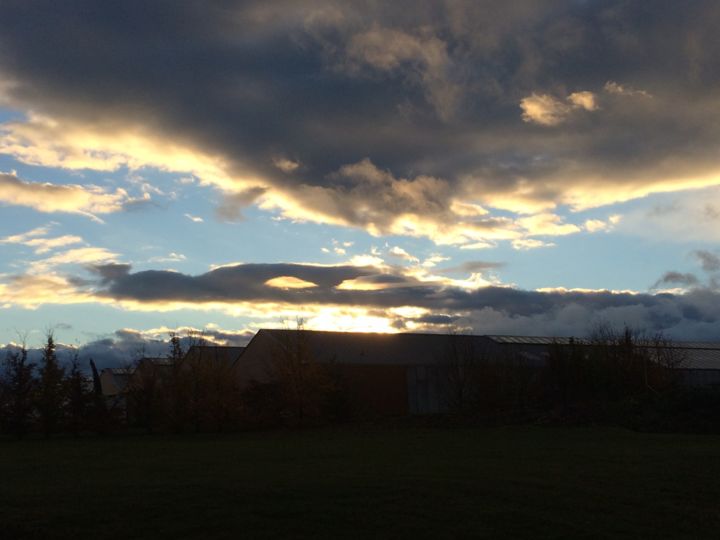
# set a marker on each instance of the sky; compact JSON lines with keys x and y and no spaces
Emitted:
{"x":534,"y":168}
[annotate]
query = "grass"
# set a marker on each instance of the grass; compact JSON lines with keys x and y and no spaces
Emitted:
{"x":516,"y":482}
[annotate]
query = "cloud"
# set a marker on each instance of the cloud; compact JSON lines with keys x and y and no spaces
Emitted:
{"x":289,"y":282}
{"x":380,"y":298}
{"x":36,"y":239}
{"x":549,"y":111}
{"x":619,"y":89}
{"x":684,"y":279}
{"x":127,"y":345}
{"x":43,"y":245}
{"x":425,"y":93}
{"x":232,"y":204}
{"x":170,"y":257}
{"x":472,"y":267}
{"x":710,"y":262}
{"x":583,"y":100}
{"x":693,"y":216}
{"x":194,"y":219}
{"x":530,"y":243}
{"x":425,"y":58}
{"x":285,"y":165}
{"x":544,"y":109}
{"x":49,"y":198}
{"x":399,"y":253}
{"x":597,"y":225}
{"x":88,"y":255}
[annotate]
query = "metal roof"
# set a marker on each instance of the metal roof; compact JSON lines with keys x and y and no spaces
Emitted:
{"x":694,"y":354}
{"x":536,"y":340}
{"x":697,"y":358}
{"x":122,"y":371}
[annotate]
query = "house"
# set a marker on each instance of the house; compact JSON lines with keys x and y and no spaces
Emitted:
{"x":150,"y":374}
{"x":114,"y":381}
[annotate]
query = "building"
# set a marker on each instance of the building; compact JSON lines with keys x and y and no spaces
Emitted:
{"x":698,"y":363}
{"x":385,"y":374}
{"x":406,"y":373}
{"x":215,"y":355}
{"x":390,"y":374}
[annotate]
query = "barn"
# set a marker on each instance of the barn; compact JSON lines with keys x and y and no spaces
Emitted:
{"x":387,"y":374}
{"x":410,"y":373}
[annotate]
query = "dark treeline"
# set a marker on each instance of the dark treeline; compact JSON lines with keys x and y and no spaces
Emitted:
{"x":613,"y":377}
{"x":179,"y":393}
{"x":197,"y":393}
{"x":48,"y":397}
{"x":618,"y":377}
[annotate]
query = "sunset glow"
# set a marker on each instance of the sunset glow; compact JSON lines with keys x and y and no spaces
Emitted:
{"x":479,"y":167}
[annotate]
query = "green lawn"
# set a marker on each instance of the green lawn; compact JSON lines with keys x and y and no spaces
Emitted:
{"x":526,"y":482}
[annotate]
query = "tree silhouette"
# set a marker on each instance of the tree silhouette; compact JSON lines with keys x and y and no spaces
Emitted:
{"x":50,"y":391}
{"x":16,"y":388}
{"x":303,"y":383}
{"x":99,"y":417}
{"x":78,"y":399}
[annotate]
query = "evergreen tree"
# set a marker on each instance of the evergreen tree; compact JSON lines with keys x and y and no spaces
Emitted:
{"x":51,"y":391}
{"x":78,"y":398}
{"x":99,"y":416}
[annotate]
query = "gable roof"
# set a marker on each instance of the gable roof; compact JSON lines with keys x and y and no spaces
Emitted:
{"x":429,"y":349}
{"x":214,"y":353}
{"x":368,"y":348}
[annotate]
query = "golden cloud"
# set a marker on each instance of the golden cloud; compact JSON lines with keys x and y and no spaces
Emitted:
{"x":46,"y":197}
{"x":289,"y":282}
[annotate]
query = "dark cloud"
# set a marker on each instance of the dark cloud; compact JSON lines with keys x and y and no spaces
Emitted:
{"x":227,"y":283}
{"x":112,"y":271}
{"x":125,"y":346}
{"x":678,"y":278}
{"x":693,"y":315}
{"x":710,"y":262}
{"x":231,"y":207}
{"x":473,"y":267}
{"x":294,"y":93}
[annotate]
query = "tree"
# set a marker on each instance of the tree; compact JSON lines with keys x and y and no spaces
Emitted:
{"x":613,"y":374}
{"x":482,"y":380}
{"x":304,"y":384}
{"x":99,"y":417}
{"x":50,"y":391}
{"x":17,"y":387}
{"x":78,"y":398}
{"x":460,"y":362}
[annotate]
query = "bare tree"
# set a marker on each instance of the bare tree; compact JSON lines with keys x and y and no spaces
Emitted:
{"x":16,"y":388}
{"x":460,"y":363}
{"x":303,"y":383}
{"x":143,"y":394}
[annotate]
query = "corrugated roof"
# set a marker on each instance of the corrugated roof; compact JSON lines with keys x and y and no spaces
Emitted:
{"x":121,"y":371}
{"x":536,"y":340}
{"x":694,"y":354}
{"x":697,"y":358}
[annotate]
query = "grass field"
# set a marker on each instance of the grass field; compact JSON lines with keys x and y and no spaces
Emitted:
{"x":518,"y":482}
